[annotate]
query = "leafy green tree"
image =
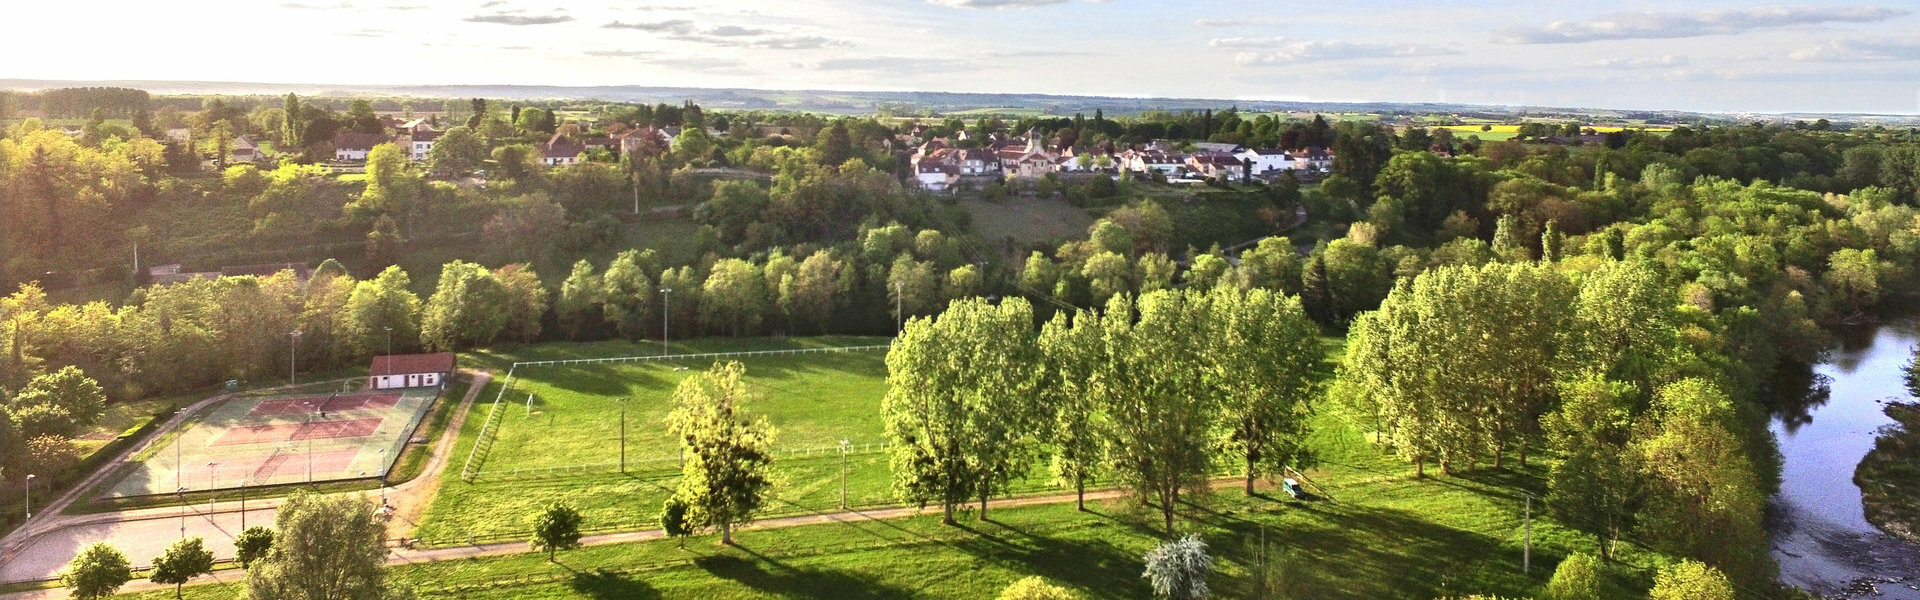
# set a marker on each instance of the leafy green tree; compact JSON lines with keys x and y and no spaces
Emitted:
{"x":253,"y":544}
{"x":556,"y":528}
{"x":1071,"y":351}
{"x":1596,"y":486}
{"x":184,"y":560}
{"x":959,"y":405}
{"x":734,"y":298}
{"x":1854,"y":276}
{"x":97,"y":572}
{"x":469,"y":307}
{"x":1160,"y":446}
{"x":60,"y":403}
{"x":384,"y":242}
{"x":526,"y":301}
{"x":627,"y":294}
{"x":380,"y":307}
{"x":1035,"y":588}
{"x":1272,"y":264}
{"x":1178,"y":569}
{"x":835,"y":145}
{"x":1581,"y":576}
{"x":674,"y":520}
{"x":458,"y":152}
{"x":1509,"y":242}
{"x":1264,"y":350}
{"x":1107,"y":275}
{"x":579,"y":299}
{"x":1706,"y":501}
{"x":1626,"y":326}
{"x":727,"y":472}
{"x":290,"y":130}
{"x":360,"y":117}
{"x":1316,"y":294}
{"x":818,"y":289}
{"x":1691,"y":580}
{"x":326,"y":547}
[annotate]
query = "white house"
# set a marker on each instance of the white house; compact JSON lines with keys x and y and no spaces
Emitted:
{"x":423,"y":142}
{"x":353,"y":146}
{"x":1267,"y":159}
{"x":1223,"y":166}
{"x":936,"y":176}
{"x":1313,"y":158}
{"x":560,"y":151}
{"x":410,"y":370}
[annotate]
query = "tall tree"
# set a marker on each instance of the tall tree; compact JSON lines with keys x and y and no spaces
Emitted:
{"x":556,"y":528}
{"x":526,"y":299}
{"x":382,"y":309}
{"x":468,"y":308}
{"x":1596,"y":486}
{"x":628,"y":295}
{"x":734,"y":299}
{"x":1706,"y":500}
{"x":818,"y":289}
{"x":97,"y":571}
{"x":290,"y":130}
{"x":184,"y":560}
{"x":727,"y":473}
{"x":457,"y":152}
{"x":1160,"y":446}
{"x":1072,"y":351}
{"x":579,"y":300}
{"x":327,"y":547}
{"x":959,"y":404}
{"x":1260,"y":366}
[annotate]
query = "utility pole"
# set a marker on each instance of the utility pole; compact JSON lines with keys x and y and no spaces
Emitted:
{"x":213,"y":477}
{"x":1526,"y":548}
{"x":623,"y":435}
{"x":181,"y":495}
{"x":845,"y":445}
{"x":666,"y":310}
{"x":29,"y":500}
{"x":899,"y":313}
{"x":389,"y":340}
{"x":243,"y":503}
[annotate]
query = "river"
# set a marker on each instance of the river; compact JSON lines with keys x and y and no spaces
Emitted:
{"x":1821,"y":536}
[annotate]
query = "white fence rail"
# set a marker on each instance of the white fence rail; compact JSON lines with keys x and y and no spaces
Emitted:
{"x":666,"y":464}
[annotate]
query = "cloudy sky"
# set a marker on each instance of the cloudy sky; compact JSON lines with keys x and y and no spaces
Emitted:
{"x":1810,"y":56}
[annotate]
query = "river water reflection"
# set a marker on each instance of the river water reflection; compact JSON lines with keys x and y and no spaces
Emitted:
{"x":1821,"y":536}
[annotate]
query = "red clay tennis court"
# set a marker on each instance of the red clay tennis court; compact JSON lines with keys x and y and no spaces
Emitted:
{"x":321,"y":430}
{"x":294,"y":406}
{"x":284,"y":464}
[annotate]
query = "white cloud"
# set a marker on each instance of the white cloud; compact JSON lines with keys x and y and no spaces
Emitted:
{"x":1336,"y":50}
{"x":995,"y":4}
{"x":518,"y":20}
{"x":1859,"y":50}
{"x":1239,"y":22}
{"x":1665,"y":25}
{"x":1642,"y":63}
{"x":1246,"y":42}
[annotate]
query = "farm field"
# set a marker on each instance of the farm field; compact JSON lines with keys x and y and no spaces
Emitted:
{"x":266,"y":440}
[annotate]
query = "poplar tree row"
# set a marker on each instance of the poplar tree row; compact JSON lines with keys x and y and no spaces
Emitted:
{"x":1154,"y":392}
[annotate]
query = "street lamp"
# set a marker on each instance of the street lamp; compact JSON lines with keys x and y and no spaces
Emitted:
{"x":243,"y":502}
{"x":29,"y":499}
{"x":180,"y":494}
{"x":293,"y":360}
{"x":389,"y":340}
{"x":666,"y":309}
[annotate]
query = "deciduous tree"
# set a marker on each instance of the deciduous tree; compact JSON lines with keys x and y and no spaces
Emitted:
{"x":184,"y":560}
{"x":728,"y":450}
{"x":97,"y":572}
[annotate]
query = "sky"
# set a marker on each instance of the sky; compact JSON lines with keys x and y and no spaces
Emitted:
{"x":1810,"y":56}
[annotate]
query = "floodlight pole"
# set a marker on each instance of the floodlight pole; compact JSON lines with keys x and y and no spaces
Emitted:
{"x":213,"y":478}
{"x":666,"y":311}
{"x":389,"y":341}
{"x":243,"y":504}
{"x":293,"y":360}
{"x":181,"y":495}
{"x":29,"y":500}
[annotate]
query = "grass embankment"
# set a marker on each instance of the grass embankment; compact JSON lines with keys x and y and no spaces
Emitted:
{"x":1889,"y":476}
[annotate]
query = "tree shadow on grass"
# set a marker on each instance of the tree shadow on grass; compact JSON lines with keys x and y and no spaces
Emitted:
{"x":1092,"y":564}
{"x":602,"y":585}
{"x":1386,"y":553}
{"x":771,"y":576}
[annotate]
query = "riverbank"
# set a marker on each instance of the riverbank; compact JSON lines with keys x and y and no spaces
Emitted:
{"x":1889,"y":476}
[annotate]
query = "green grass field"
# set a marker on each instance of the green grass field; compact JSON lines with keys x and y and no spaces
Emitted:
{"x":1027,"y":220}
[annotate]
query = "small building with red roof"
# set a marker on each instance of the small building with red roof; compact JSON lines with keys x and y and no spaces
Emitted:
{"x":410,"y":370}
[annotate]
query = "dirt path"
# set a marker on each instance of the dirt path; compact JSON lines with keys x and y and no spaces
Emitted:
{"x":55,"y":539}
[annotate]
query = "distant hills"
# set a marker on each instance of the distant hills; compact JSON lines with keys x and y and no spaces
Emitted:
{"x":911,"y":103}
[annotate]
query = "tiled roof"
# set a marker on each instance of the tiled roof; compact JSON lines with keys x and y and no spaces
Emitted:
{"x":410,"y":364}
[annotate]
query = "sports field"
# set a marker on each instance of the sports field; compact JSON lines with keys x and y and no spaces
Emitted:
{"x":569,"y":415}
{"x":256,"y":440}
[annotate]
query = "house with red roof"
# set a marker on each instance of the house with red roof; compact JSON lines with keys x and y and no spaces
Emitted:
{"x":410,"y":370}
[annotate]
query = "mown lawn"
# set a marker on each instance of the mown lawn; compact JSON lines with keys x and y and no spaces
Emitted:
{"x":1378,"y":532}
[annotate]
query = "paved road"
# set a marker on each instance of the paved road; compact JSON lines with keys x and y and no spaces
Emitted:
{"x":144,"y":533}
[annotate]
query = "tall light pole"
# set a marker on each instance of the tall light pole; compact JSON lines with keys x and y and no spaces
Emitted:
{"x":213,"y":478}
{"x":389,"y":340}
{"x":666,"y":311}
{"x":181,"y":495}
{"x":243,"y":502}
{"x":29,"y":499}
{"x":899,"y":312}
{"x":293,"y":359}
